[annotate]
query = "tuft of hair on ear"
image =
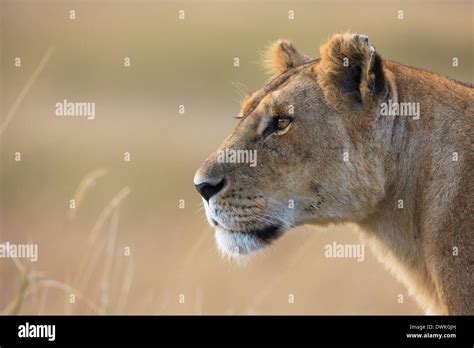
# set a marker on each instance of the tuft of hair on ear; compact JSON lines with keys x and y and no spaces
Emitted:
{"x":280,"y":56}
{"x":350,"y":71}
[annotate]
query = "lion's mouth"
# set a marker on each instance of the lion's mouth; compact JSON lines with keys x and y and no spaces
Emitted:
{"x":236,"y":243}
{"x":267,"y":234}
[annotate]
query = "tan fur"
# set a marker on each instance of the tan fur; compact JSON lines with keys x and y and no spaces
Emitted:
{"x":391,"y":158}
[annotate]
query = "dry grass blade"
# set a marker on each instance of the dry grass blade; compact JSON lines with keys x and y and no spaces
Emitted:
{"x":109,"y":250}
{"x":26,"y":88}
{"x":28,"y":277}
{"x":55,"y":284}
{"x":15,"y":306}
{"x":25,"y":282}
{"x":88,"y":264}
{"x":126,"y":285}
{"x":107,"y":211}
{"x":84,"y":186}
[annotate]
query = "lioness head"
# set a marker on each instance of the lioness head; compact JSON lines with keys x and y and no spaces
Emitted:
{"x":307,"y":148}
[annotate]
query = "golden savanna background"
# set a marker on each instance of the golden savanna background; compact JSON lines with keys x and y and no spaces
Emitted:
{"x":135,"y":206}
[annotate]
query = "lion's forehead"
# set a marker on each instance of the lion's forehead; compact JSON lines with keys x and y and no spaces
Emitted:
{"x":252,"y":101}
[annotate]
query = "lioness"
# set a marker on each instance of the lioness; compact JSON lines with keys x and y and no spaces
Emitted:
{"x":339,"y":139}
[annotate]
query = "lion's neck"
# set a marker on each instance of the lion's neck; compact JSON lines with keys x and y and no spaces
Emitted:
{"x":394,"y":231}
{"x":394,"y":239}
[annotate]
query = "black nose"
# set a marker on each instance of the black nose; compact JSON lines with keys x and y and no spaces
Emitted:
{"x":208,"y":190}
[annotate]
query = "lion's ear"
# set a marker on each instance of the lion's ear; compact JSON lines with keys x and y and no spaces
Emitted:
{"x":281,"y":56}
{"x":351,"y":71}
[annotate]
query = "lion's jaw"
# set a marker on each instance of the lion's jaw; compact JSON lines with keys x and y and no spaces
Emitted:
{"x":240,"y":230}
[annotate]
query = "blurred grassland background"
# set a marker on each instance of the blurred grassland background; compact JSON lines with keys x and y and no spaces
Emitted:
{"x":174,"y":62}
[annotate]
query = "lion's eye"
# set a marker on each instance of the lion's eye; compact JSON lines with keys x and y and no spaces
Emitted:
{"x":278,"y":125}
{"x":282,"y":122}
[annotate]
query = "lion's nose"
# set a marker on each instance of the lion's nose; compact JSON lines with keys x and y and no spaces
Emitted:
{"x":208,"y":190}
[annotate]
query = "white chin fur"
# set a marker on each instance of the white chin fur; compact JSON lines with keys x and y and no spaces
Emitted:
{"x":235,"y":244}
